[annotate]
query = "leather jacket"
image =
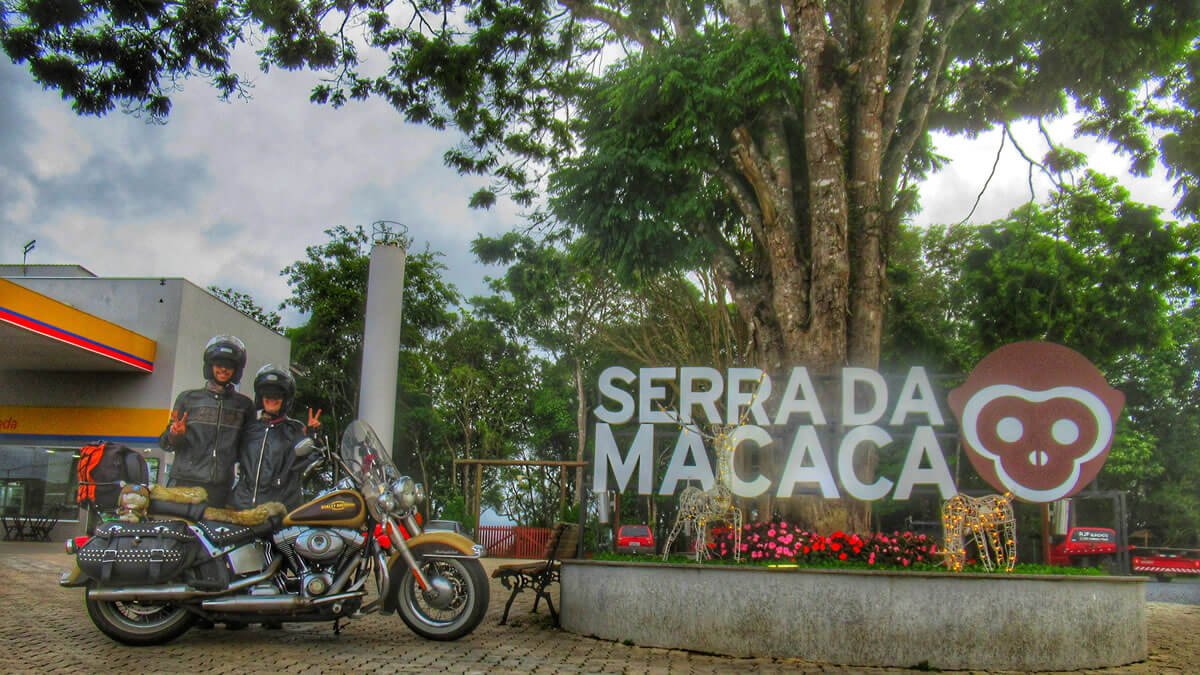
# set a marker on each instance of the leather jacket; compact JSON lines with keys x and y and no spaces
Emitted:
{"x":206,"y":451}
{"x":268,"y":468}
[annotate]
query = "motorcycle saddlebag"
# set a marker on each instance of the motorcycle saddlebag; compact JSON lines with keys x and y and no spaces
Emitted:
{"x":150,"y":552}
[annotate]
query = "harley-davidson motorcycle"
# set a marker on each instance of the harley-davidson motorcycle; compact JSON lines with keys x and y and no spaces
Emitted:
{"x":148,"y":582}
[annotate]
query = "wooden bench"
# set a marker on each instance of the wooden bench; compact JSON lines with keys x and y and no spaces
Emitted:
{"x":563,"y":544}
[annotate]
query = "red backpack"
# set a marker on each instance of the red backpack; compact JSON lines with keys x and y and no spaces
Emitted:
{"x":106,"y":467}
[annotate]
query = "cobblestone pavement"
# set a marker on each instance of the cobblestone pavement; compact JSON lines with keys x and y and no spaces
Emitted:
{"x":44,"y":628}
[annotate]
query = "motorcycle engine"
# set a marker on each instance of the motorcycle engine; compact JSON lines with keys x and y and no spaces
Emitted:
{"x":317,"y":546}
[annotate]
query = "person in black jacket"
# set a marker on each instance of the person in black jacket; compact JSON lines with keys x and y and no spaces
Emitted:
{"x":268,"y":468}
{"x":207,"y":424}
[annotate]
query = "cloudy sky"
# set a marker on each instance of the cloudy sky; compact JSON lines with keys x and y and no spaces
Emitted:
{"x":231,"y":193}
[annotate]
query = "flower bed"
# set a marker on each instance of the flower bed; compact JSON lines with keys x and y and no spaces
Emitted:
{"x":784,"y":542}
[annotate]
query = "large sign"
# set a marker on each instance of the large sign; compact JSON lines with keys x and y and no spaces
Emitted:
{"x":1014,"y":400}
{"x":796,"y":419}
{"x":1036,"y":420}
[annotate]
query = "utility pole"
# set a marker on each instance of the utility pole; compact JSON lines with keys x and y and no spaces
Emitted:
{"x":29,"y":246}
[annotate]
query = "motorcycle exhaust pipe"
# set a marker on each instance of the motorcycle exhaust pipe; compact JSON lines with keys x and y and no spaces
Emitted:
{"x":152,"y":593}
{"x":142,"y":594}
{"x":272,"y":603}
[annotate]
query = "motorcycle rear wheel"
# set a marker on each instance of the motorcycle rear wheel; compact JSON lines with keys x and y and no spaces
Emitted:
{"x":139,"y":624}
{"x":470,"y":601}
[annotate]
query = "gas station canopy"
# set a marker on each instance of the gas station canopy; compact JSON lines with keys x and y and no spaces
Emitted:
{"x":40,"y":333}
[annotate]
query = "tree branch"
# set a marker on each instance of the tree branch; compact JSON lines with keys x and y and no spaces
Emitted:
{"x":618,"y":23}
{"x":905,"y":74}
{"x":756,"y":170}
{"x":987,"y":182}
{"x":745,"y":201}
{"x":902,"y":144}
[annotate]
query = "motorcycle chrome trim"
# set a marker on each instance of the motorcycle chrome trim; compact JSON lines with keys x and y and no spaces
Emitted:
{"x":441,"y":593}
{"x":273,"y":603}
{"x":404,"y":552}
{"x":340,"y":582}
{"x":411,"y":524}
{"x":383,"y":584}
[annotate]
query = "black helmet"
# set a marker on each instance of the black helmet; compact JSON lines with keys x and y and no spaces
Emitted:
{"x":225,"y":348}
{"x":275,"y":382}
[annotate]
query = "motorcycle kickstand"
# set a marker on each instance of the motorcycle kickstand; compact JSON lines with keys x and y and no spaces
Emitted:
{"x":337,"y":629}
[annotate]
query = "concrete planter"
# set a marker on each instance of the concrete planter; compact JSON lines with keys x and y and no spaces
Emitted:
{"x":862,"y":618}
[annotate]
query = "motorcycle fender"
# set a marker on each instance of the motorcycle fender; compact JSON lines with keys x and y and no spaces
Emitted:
{"x":431,"y":545}
{"x":73,"y":578}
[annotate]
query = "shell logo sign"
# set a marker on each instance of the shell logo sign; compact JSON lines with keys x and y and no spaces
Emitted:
{"x":1036,"y":419}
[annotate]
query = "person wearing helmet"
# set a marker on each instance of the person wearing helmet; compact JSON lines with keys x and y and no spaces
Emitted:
{"x":268,"y":468}
{"x":207,"y":424}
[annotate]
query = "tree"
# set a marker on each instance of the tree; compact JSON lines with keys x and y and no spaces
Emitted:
{"x":561,"y":299}
{"x":782,"y":141}
{"x":1097,"y":272}
{"x":246,"y":304}
{"x":787,"y":137}
{"x":329,"y":285}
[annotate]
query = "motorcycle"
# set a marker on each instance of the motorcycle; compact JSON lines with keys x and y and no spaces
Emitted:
{"x":147,"y":583}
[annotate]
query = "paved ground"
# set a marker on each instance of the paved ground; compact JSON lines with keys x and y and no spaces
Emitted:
{"x":44,"y":628}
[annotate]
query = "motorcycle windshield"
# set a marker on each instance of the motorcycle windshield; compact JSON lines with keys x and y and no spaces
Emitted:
{"x":369,"y":462}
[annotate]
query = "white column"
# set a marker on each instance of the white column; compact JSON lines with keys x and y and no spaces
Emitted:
{"x":381,"y":340}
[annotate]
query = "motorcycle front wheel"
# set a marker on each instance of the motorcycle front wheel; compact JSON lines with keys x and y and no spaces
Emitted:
{"x":137,"y":623}
{"x":455,"y":609}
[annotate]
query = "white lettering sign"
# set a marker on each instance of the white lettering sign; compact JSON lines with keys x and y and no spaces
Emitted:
{"x":794,"y":422}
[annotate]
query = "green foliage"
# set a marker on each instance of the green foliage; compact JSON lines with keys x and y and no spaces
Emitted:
{"x":1096,"y":272}
{"x":329,"y":286}
{"x":455,"y":508}
{"x":245,"y":304}
{"x":653,"y":131}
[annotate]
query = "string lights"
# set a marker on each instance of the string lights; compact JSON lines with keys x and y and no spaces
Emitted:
{"x":990,"y":522}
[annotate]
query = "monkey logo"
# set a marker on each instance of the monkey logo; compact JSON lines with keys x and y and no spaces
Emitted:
{"x":1036,"y":419}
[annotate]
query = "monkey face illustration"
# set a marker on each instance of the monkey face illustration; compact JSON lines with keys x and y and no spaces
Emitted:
{"x":1036,"y":420}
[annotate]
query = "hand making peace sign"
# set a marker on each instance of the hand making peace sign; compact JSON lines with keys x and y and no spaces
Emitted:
{"x":178,"y":423}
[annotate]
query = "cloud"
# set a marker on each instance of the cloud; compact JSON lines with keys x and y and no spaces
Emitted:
{"x":226,"y":193}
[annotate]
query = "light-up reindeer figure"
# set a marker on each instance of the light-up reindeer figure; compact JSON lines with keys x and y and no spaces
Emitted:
{"x":990,"y":521}
{"x":698,"y":508}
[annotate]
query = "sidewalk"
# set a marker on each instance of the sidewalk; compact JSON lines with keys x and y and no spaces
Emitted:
{"x":45,"y":629}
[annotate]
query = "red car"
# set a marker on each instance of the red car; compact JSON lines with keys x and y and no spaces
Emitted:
{"x":635,"y":539}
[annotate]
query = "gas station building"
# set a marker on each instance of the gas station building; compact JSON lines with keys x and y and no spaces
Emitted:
{"x":85,"y":358}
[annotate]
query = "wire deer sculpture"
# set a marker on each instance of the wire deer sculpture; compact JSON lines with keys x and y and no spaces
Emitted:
{"x":698,"y":508}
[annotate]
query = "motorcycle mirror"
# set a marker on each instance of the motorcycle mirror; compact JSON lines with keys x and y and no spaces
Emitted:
{"x":305,"y":447}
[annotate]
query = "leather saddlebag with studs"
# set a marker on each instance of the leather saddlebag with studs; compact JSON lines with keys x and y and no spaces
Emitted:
{"x":149,"y":552}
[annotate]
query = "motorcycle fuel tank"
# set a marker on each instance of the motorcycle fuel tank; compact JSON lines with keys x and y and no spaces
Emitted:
{"x":343,"y":508}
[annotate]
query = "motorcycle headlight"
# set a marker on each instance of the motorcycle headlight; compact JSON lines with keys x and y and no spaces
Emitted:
{"x":420,"y":492}
{"x":386,"y":502}
{"x":404,"y":490}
